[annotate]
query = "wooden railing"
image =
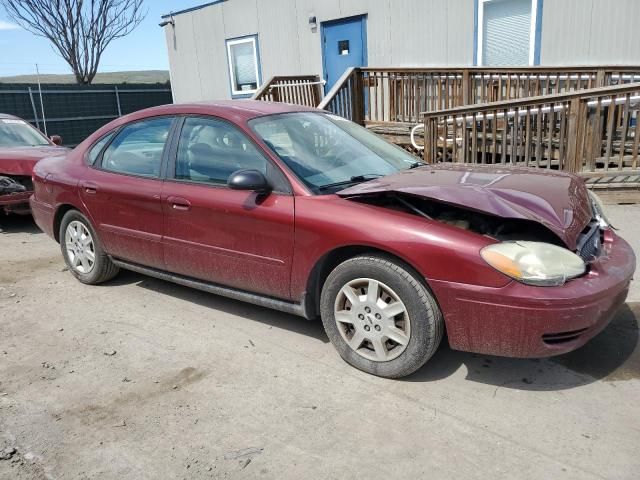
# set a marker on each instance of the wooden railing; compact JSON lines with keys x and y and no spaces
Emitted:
{"x":385,"y":95}
{"x":296,"y":89}
{"x":592,"y":130}
{"x":345,"y":97}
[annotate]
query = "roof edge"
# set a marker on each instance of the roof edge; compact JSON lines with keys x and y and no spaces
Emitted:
{"x":191,"y":9}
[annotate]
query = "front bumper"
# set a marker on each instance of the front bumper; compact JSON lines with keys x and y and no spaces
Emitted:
{"x":524,"y":321}
{"x":17,"y":203}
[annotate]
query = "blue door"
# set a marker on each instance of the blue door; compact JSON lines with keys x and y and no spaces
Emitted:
{"x":344,"y":45}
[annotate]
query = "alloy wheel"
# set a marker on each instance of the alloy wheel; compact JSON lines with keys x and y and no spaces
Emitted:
{"x":80,"y":247}
{"x":372,"y":319}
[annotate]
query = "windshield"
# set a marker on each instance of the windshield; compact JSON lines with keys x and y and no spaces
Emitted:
{"x":18,"y":133}
{"x":329,"y":153}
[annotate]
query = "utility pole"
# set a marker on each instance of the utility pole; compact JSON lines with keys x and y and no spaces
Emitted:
{"x":44,"y":120}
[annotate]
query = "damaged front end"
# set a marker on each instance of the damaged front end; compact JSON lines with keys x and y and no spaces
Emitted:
{"x":525,"y":250}
{"x":501,"y":229}
{"x":546,"y":227}
{"x":15,"y":191}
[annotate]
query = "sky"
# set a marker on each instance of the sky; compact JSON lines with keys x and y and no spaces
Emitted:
{"x":143,"y":49}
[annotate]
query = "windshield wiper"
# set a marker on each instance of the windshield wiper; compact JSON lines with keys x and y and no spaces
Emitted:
{"x":352,"y":180}
{"x":417,"y":164}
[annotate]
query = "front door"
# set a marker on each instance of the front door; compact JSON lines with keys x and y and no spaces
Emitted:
{"x":343,"y":45}
{"x":240,"y":239}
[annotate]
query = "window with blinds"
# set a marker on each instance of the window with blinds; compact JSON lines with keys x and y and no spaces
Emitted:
{"x":506,"y":27}
{"x":243,"y":65}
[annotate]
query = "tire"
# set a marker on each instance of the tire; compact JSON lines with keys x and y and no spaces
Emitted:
{"x":421,"y":322}
{"x":101,"y":268}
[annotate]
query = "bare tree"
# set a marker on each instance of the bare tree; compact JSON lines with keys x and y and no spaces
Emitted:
{"x":79,"y":30}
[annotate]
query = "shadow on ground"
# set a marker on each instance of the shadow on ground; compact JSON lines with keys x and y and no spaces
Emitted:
{"x":267,"y":316}
{"x":611,"y":356}
{"x":18,"y":224}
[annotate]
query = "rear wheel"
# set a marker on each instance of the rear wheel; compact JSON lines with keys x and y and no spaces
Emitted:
{"x":380,"y":317}
{"x":82,"y":251}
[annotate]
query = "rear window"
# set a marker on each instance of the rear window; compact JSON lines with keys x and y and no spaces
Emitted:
{"x":137,"y":148}
{"x":94,"y":152}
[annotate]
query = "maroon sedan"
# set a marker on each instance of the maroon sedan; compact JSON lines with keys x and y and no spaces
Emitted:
{"x":305,"y":212}
{"x":21,"y":146}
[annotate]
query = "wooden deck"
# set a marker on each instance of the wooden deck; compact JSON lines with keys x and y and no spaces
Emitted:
{"x":298,"y":90}
{"x":621,"y":189}
{"x":581,"y":119}
{"x":611,"y":182}
{"x":587,"y":131}
{"x":391,"y":95}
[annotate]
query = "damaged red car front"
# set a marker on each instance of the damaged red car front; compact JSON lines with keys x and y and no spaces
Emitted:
{"x":21,"y":147}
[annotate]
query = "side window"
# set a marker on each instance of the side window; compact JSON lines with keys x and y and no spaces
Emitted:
{"x":94,"y":152}
{"x":137,"y":149}
{"x":210,"y":151}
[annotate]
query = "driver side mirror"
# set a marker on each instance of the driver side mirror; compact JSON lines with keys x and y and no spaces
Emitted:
{"x":56,"y":139}
{"x":249,"y":180}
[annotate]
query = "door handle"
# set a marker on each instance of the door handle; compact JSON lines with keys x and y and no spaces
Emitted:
{"x":89,"y":187}
{"x":179,"y":203}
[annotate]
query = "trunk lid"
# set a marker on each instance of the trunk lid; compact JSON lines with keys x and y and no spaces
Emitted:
{"x":557,"y":200}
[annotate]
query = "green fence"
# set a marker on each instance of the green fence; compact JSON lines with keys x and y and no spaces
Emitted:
{"x":76,"y":111}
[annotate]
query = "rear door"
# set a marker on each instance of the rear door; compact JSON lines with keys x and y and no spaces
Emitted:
{"x":235,"y":238}
{"x":122,"y":191}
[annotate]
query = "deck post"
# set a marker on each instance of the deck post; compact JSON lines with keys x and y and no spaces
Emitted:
{"x":581,"y":119}
{"x":429,"y":148}
{"x":317,"y":91}
{"x":466,"y":88}
{"x":357,"y":97}
{"x":572,"y":136}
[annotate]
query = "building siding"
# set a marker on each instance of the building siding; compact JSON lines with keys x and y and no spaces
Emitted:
{"x":278,"y":33}
{"x":590,"y":32}
{"x":400,"y":33}
{"x":183,"y":60}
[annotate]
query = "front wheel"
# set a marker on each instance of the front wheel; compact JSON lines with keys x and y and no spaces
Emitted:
{"x":380,"y":317}
{"x":82,"y":251}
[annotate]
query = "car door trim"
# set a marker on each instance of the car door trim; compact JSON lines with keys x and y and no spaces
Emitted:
{"x":127,"y":232}
{"x":298,"y":309}
{"x":222,"y":251}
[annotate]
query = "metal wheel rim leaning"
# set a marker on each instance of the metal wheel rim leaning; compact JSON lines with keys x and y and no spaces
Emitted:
{"x":80,"y":247}
{"x":372,"y":319}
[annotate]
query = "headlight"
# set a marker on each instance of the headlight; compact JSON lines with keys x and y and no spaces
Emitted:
{"x":534,"y":263}
{"x":597,"y":208}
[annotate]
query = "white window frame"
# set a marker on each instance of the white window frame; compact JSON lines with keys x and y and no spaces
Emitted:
{"x":249,"y":39}
{"x":532,"y":31}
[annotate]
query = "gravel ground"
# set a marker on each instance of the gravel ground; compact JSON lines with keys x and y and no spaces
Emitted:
{"x":142,"y":379}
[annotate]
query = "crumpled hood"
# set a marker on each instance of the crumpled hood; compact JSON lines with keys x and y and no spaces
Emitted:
{"x":21,"y":160}
{"x":557,"y":200}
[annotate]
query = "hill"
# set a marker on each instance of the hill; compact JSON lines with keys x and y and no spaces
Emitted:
{"x":141,"y":76}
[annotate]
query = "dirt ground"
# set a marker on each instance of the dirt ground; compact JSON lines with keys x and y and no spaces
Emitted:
{"x":143,"y":379}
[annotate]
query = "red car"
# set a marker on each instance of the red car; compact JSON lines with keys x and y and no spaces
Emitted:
{"x":21,"y":147}
{"x":305,"y":212}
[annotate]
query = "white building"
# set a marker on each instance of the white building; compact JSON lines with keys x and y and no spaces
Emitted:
{"x":227,"y":48}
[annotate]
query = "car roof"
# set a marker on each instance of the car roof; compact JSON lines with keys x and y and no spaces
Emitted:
{"x":231,"y":109}
{"x":7,"y":116}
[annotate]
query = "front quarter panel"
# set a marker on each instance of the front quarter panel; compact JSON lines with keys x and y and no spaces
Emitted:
{"x":435,"y":250}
